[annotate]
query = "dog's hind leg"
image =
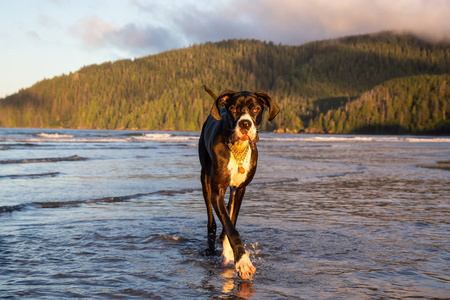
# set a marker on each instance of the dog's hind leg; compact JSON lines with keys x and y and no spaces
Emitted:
{"x":211,"y":250}
{"x":205,"y":176}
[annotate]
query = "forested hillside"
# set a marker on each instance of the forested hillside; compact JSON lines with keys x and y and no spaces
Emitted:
{"x":382,"y":83}
{"x":415,"y":104}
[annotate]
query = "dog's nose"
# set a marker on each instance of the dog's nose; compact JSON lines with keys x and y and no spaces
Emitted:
{"x":245,"y":124}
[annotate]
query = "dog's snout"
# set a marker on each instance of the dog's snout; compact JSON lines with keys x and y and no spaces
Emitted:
{"x":245,"y":124}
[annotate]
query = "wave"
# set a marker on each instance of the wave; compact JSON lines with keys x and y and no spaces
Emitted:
{"x":428,"y":140}
{"x":76,"y":203}
{"x":131,"y":137}
{"x":440,"y":165}
{"x":383,"y":139}
{"x":54,"y":135}
{"x":154,"y":136}
{"x":32,"y":176}
{"x":343,"y":139}
{"x":70,"y":140}
{"x":318,"y":139}
{"x":192,"y":138}
{"x":12,"y":208}
{"x":164,"y":137}
{"x":40,"y":160}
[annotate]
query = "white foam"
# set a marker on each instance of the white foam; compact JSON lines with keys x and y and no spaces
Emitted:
{"x":54,"y":135}
{"x":153,"y":136}
{"x":343,"y":139}
{"x":164,"y":137}
{"x":192,"y":140}
{"x":429,"y":140}
{"x":321,"y":139}
{"x":70,"y":140}
{"x":382,"y":139}
{"x":157,"y":137}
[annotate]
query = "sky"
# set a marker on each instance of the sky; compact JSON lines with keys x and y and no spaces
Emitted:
{"x":45,"y":38}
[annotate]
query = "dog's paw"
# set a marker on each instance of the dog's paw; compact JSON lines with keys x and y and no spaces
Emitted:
{"x":208,"y":252}
{"x":245,"y":268}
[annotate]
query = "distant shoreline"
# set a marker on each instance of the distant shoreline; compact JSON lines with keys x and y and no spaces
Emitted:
{"x":279,"y":131}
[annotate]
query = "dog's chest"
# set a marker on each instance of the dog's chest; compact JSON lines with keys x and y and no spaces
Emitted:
{"x":237,"y":178}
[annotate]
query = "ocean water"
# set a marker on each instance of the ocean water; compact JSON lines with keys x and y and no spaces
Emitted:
{"x":120,"y":214}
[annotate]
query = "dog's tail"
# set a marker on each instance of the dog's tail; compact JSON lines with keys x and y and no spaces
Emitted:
{"x":211,"y":93}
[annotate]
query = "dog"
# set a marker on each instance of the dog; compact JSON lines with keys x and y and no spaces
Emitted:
{"x":228,"y":158}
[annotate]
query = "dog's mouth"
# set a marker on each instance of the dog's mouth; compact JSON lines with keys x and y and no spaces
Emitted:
{"x":254,"y":139}
{"x":244,"y":137}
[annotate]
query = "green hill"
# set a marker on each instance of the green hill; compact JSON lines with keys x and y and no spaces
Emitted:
{"x":415,"y":104}
{"x":380,"y":83}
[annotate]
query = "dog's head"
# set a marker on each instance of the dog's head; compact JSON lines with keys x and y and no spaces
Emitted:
{"x":242,"y":112}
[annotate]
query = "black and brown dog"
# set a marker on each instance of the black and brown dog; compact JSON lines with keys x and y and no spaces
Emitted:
{"x":228,"y":156}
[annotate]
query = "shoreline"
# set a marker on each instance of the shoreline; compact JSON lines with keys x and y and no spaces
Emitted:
{"x":277,"y":131}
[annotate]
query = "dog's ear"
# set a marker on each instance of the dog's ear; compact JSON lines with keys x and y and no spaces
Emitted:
{"x":221,"y":101}
{"x":267,"y":100}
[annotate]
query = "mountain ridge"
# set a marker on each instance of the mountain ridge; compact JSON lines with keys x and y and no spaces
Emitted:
{"x":312,"y":83}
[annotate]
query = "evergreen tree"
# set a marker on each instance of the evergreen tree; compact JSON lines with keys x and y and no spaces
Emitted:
{"x":383,"y":83}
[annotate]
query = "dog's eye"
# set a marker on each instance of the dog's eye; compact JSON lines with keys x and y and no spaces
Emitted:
{"x":255,"y":110}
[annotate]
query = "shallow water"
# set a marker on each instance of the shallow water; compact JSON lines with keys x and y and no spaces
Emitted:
{"x":103,"y":214}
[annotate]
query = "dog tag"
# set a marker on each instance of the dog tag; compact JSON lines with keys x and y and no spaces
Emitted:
{"x":241,"y":170}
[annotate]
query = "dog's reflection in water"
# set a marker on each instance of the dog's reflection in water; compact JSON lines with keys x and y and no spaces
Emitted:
{"x":234,"y":286}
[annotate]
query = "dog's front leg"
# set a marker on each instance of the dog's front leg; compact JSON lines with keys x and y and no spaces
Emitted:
{"x":244,"y":267}
{"x":234,"y":205}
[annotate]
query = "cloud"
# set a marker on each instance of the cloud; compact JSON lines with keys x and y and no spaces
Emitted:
{"x":131,"y":38}
{"x":180,"y":23}
{"x":92,"y":31}
{"x":33,"y":35}
{"x":324,"y":19}
{"x":148,"y":38}
{"x":337,"y":18}
{"x":48,"y":22}
{"x":299,"y":21}
{"x":145,"y":6}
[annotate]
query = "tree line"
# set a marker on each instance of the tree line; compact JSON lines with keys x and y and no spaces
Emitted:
{"x":381,"y":83}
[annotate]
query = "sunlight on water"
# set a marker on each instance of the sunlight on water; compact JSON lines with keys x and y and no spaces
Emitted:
{"x":325,"y":217}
